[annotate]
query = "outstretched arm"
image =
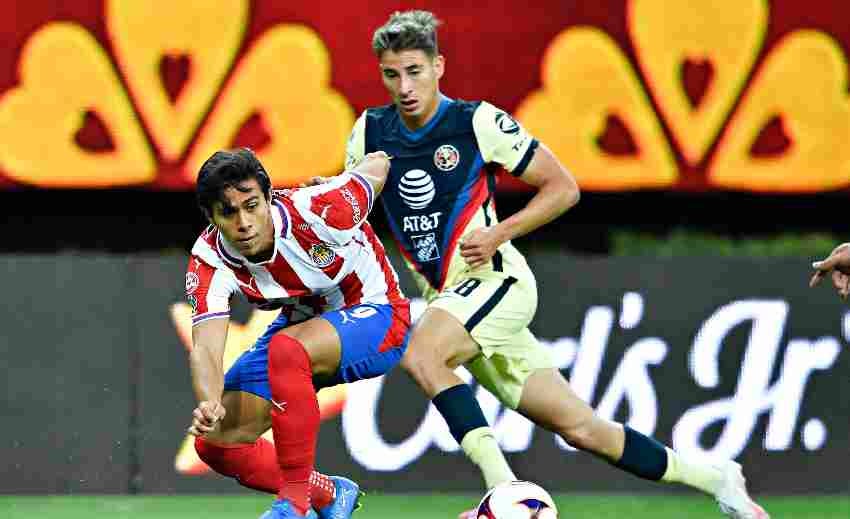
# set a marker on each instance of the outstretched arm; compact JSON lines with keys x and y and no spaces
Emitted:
{"x":206,"y":361}
{"x":374,"y":168}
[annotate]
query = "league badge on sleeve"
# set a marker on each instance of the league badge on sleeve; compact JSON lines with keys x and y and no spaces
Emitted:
{"x":446,"y":158}
{"x":506,"y":123}
{"x":192,"y":283}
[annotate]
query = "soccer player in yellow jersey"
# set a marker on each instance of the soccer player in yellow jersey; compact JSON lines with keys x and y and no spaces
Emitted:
{"x":481,"y":294}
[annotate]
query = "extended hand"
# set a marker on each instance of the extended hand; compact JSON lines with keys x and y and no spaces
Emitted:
{"x":837,"y":264}
{"x":205,"y":417}
{"x":314,"y":181}
{"x":479,"y":246}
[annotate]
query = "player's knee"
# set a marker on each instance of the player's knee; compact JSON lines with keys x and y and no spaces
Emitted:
{"x":421,"y":364}
{"x":413,"y":363}
{"x":210,"y":451}
{"x":285,"y":349}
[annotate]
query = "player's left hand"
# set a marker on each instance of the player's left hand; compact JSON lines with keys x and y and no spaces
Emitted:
{"x":205,"y":417}
{"x":479,"y":246}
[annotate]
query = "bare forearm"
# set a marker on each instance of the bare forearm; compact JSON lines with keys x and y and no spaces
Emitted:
{"x":544,"y":207}
{"x":374,"y":168}
{"x":207,"y":374}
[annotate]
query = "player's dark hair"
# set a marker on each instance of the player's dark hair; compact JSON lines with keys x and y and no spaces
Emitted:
{"x":408,"y":30}
{"x":226,"y":169}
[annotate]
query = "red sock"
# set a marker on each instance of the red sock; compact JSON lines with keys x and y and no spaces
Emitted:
{"x":295,"y":418}
{"x":254,"y":465}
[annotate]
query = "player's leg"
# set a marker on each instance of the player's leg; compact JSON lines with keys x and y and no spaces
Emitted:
{"x":341,"y":346}
{"x":438,"y":344}
{"x":236,"y":448}
{"x":294,"y":355}
{"x":548,"y":401}
{"x":372,"y":339}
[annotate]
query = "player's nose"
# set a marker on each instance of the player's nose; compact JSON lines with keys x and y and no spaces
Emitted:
{"x":405,"y":87}
{"x":243,"y":222}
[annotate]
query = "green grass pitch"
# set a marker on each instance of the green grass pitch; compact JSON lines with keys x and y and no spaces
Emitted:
{"x":394,"y":506}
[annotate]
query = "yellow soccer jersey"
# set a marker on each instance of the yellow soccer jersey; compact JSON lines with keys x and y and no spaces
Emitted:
{"x":442,"y":182}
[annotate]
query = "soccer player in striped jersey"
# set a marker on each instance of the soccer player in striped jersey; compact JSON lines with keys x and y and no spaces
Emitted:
{"x":310,"y":253}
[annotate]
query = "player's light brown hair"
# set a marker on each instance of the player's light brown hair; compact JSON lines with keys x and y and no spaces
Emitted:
{"x":408,"y":30}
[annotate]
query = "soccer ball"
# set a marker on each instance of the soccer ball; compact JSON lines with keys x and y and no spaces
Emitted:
{"x":517,"y":500}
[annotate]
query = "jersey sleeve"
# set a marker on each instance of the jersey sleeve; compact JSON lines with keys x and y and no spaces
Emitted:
{"x":355,"y":150}
{"x":502,"y":139}
{"x":208,"y":290}
{"x":338,"y":208}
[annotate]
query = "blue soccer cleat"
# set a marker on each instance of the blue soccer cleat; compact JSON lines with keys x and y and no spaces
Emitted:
{"x":346,"y":501}
{"x":283,"y":509}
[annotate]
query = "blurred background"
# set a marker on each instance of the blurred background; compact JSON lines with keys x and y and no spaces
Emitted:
{"x":710,"y":140}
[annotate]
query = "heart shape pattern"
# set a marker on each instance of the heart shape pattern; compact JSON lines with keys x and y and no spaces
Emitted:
{"x":306,"y":120}
{"x":586,"y":63}
{"x":208,"y":33}
{"x":666,"y":35}
{"x":63,"y":75}
{"x":804,"y":80}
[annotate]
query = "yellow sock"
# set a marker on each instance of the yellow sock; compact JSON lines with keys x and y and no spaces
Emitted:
{"x":481,"y":447}
{"x":692,"y":472}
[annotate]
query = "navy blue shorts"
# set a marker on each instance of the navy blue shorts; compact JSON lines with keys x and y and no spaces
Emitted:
{"x":373,"y":339}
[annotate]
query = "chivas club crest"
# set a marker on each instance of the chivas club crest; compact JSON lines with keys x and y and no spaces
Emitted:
{"x":322,"y":255}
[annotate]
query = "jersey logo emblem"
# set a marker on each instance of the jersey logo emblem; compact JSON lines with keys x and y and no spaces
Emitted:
{"x":446,"y":158}
{"x":506,"y":123}
{"x":192,"y":283}
{"x":322,"y":255}
{"x":425,"y":246}
{"x":417,"y":189}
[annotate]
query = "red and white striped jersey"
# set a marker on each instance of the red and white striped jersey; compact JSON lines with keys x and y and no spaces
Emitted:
{"x":326,"y":257}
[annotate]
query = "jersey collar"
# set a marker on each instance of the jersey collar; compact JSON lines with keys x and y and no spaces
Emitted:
{"x":418,"y":134}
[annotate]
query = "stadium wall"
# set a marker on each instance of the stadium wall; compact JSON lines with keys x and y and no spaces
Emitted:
{"x":731,"y":356}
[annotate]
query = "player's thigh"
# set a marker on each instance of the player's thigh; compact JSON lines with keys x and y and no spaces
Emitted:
{"x":504,"y":367}
{"x":321,"y":342}
{"x":372,"y":339}
{"x":439,"y":339}
{"x":247,"y":418}
{"x":492,"y":307}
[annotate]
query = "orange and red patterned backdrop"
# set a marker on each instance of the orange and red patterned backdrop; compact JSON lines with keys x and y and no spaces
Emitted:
{"x":745,"y":95}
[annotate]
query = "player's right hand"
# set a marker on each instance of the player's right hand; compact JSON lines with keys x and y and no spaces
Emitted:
{"x":837,"y":264}
{"x":205,"y":417}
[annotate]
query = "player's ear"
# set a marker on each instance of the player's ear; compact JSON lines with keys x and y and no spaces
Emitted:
{"x":207,"y":215}
{"x":439,"y":65}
